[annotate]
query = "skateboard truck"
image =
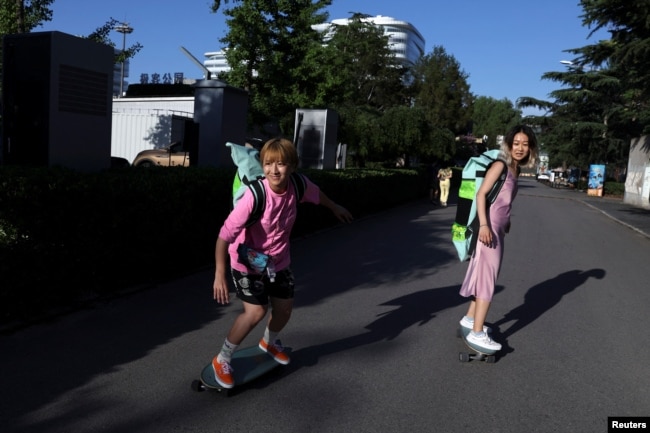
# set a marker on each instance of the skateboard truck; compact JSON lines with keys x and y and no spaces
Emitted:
{"x":476,"y":355}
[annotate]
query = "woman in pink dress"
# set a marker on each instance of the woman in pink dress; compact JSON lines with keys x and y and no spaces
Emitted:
{"x":519,"y":149}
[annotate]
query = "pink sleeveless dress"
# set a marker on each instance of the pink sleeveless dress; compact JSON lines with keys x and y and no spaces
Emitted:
{"x":485,"y":264}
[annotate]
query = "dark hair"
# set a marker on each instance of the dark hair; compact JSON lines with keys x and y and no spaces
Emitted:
{"x":506,"y":147}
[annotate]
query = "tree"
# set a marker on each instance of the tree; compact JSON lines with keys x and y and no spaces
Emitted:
{"x":403,"y":132}
{"x":360,"y":128}
{"x":493,"y":117}
{"x":273,"y":52}
{"x":21,"y":16}
{"x":365,"y":69}
{"x":604,"y":99}
{"x":407,"y":133}
{"x":440,"y":88}
{"x":284,"y":64}
{"x":627,"y":52}
{"x":362,"y":81}
{"x":102,"y":35}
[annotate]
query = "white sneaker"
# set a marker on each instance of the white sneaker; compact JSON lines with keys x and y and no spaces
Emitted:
{"x":470,"y":325}
{"x":483,"y":341}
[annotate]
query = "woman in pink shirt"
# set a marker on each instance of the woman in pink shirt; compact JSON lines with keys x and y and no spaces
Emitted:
{"x":274,"y":284}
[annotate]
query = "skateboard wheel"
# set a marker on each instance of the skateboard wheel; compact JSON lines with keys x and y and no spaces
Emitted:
{"x":463,"y":357}
{"x":490,"y":359}
{"x":197,"y":386}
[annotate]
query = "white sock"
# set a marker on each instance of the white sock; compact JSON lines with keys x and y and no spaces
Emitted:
{"x":226,"y":351}
{"x":270,"y":336}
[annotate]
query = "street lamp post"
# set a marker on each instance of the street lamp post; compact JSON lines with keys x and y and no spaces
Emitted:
{"x":123,"y":28}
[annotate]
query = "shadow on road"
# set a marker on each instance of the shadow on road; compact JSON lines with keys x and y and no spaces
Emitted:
{"x":540,"y":299}
{"x":413,"y":309}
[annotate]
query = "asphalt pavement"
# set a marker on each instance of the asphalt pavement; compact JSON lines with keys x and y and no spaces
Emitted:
{"x":373,"y":336}
{"x":636,"y":218}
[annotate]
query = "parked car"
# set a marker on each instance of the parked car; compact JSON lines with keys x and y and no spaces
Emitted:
{"x":118,"y":162}
{"x":169,"y":156}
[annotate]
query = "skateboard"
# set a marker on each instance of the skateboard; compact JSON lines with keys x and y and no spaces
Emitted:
{"x":247,"y":364}
{"x":476,"y":354}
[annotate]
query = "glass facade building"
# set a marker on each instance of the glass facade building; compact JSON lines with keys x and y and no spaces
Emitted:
{"x":404,"y":40}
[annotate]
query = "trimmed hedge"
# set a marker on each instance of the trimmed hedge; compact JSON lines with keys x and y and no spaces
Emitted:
{"x":67,"y":236}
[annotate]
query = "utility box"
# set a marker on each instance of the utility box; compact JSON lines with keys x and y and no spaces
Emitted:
{"x":57,"y":101}
{"x":316,"y":138}
{"x":220,"y":111}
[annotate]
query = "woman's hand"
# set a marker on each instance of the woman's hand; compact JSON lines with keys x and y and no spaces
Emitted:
{"x":485,"y":235}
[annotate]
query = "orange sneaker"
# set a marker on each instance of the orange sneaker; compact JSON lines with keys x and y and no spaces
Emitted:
{"x":222,"y":373}
{"x":275,"y":350}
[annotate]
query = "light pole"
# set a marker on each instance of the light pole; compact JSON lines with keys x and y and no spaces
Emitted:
{"x":123,"y":28}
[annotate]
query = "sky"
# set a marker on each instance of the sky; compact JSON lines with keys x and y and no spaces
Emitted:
{"x":504,"y":46}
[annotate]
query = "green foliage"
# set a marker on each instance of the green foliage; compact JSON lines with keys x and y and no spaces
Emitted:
{"x":588,"y":123}
{"x":274,"y":54}
{"x":628,"y":49}
{"x":102,"y":35}
{"x":493,"y":117}
{"x":614,"y":188}
{"x":22,"y":16}
{"x":406,"y":133}
{"x":603,"y":102}
{"x":67,"y":236}
{"x":361,"y":126}
{"x":372,"y":75}
{"x":285,"y":64}
{"x":441,"y":89}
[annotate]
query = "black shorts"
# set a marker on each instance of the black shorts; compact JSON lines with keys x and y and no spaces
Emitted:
{"x":257,"y":289}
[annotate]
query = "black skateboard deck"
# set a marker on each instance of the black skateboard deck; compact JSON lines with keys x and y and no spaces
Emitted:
{"x":475,"y":355}
{"x":247,"y":364}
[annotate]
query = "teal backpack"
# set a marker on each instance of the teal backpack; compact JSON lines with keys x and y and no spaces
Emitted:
{"x":249,"y":175}
{"x":464,"y":231}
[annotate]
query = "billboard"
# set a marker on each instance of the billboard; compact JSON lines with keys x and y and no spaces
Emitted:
{"x":596,"y":180}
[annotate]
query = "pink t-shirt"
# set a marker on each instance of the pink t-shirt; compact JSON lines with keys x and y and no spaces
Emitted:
{"x":270,"y":235}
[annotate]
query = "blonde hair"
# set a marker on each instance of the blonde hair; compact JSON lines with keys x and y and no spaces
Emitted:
{"x":280,"y":149}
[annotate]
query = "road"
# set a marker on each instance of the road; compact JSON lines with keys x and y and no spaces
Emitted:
{"x":373,"y":337}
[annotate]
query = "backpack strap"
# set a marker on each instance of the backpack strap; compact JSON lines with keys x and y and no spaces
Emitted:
{"x":259,"y":202}
{"x":494,"y":192}
{"x":299,"y":185}
{"x":259,"y":196}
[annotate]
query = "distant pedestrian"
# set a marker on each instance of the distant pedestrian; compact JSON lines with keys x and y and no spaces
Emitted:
{"x":519,"y":149}
{"x":444,"y":177}
{"x":267,"y":240}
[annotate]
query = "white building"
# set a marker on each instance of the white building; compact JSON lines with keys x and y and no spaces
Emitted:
{"x":404,"y":40}
{"x":146,"y":123}
{"x":216,"y":62}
